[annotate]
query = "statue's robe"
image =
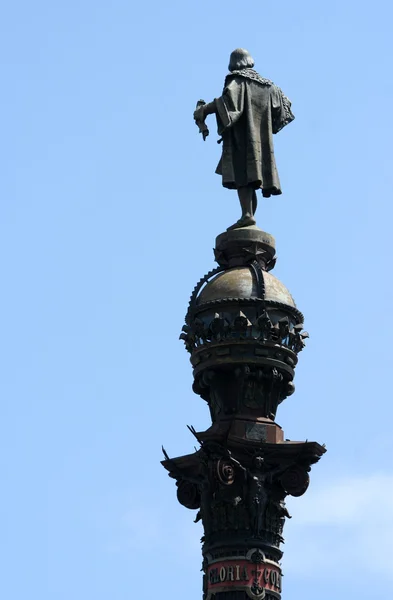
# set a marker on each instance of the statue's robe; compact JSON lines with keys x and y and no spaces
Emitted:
{"x":250,"y":110}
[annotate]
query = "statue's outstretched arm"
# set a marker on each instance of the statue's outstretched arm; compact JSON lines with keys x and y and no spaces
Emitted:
{"x":201,"y":112}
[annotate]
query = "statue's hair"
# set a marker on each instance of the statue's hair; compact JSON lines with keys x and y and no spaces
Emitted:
{"x":240,"y":59}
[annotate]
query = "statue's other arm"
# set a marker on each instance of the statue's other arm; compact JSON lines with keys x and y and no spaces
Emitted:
{"x":281,"y":109}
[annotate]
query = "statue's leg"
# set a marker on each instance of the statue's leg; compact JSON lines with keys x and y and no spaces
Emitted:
{"x":254,"y":202}
{"x":246,"y":196}
{"x":246,"y":201}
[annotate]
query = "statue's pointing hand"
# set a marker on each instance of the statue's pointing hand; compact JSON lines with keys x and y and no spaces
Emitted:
{"x":200,"y":114}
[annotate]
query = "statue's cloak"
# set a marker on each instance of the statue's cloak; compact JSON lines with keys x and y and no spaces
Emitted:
{"x":250,"y":110}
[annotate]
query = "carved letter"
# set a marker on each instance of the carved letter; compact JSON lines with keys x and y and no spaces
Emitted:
{"x":213,"y":576}
{"x":279,"y":582}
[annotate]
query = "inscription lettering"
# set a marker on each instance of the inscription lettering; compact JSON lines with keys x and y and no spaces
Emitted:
{"x":224,"y":573}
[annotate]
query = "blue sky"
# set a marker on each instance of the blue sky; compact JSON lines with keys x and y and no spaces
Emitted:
{"x":109,"y":211}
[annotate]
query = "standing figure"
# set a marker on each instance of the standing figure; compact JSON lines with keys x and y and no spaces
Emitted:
{"x":258,"y":493}
{"x":249,"y":111}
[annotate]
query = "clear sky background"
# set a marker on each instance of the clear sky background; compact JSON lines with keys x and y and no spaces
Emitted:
{"x":109,"y":211}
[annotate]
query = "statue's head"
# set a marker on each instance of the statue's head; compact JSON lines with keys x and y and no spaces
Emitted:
{"x":240,"y":59}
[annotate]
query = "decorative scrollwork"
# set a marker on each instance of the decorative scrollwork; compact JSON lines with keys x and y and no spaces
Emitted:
{"x":257,"y":590}
{"x":295,"y":480}
{"x":225,"y":472}
{"x":257,"y":557}
{"x":188,"y":494}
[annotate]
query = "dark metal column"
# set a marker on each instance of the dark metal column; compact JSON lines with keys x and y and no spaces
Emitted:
{"x":243,"y":332}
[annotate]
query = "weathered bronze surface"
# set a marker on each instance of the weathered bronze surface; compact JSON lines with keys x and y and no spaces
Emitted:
{"x":235,"y":283}
{"x":243,"y":332}
{"x":250,"y":110}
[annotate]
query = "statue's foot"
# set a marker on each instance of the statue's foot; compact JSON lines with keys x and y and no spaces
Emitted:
{"x":245,"y":221}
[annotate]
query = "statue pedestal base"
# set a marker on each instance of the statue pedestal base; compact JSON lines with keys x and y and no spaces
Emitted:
{"x":241,"y":246}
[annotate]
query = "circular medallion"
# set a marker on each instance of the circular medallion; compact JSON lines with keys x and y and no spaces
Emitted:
{"x":188,"y":494}
{"x":295,"y":480}
{"x":225,"y":472}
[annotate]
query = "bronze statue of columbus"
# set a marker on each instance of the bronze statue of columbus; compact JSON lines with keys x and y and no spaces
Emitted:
{"x":250,"y":110}
{"x":243,"y":332}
